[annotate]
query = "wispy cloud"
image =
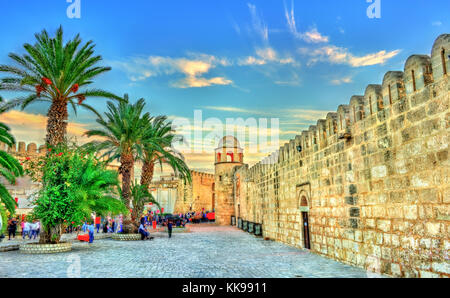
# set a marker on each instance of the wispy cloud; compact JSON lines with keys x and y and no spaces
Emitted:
{"x":264,"y":56}
{"x":194,"y":67}
{"x":258,"y":23}
{"x":339,"y":55}
{"x":293,"y":80}
{"x":311,"y":36}
{"x":436,"y":23}
{"x":343,"y":80}
{"x":229,"y":109}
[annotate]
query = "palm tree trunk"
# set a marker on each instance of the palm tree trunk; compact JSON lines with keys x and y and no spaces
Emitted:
{"x":148,"y":169}
{"x":56,"y":123}
{"x":126,"y":167}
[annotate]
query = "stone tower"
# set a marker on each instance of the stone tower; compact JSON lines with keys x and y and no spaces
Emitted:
{"x":228,"y":156}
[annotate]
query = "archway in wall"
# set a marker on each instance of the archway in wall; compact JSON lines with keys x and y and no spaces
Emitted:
{"x":304,"y":208}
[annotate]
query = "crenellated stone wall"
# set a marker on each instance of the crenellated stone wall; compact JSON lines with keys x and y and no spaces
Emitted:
{"x":21,"y":149}
{"x":196,"y":196}
{"x":372,"y":178}
{"x":24,"y":188}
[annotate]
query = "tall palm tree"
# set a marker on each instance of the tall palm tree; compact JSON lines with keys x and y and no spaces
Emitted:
{"x":158,"y":149}
{"x":122,"y":132}
{"x":10,"y":168}
{"x":53,"y":71}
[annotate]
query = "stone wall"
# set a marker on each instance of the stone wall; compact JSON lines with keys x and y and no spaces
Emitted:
{"x":195,"y":196}
{"x":373,"y":177}
{"x":24,"y":187}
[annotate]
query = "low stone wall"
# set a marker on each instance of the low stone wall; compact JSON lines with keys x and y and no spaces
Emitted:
{"x":45,"y":248}
{"x":126,"y":237}
{"x":10,"y":247}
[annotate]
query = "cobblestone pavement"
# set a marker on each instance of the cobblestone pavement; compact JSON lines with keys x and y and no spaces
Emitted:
{"x":208,"y":251}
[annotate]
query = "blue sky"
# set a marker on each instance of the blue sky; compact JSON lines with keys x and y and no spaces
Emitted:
{"x":291,"y":60}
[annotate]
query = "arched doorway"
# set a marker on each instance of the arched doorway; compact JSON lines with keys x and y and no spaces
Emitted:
{"x":304,"y":208}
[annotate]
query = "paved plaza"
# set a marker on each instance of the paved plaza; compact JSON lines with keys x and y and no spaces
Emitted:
{"x":208,"y":251}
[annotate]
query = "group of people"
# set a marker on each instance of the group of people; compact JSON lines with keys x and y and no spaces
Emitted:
{"x":30,"y":229}
{"x":92,"y":226}
{"x":147,"y":222}
{"x":198,"y":217}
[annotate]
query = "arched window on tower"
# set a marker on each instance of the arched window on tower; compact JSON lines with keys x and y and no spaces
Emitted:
{"x":413,"y":77}
{"x":230,"y":157}
{"x":370,"y":105}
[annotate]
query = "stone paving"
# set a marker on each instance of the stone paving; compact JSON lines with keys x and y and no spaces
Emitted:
{"x":207,"y":252}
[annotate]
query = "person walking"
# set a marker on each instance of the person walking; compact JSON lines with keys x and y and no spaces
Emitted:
{"x":26,"y":230}
{"x":12,"y":227}
{"x":105,"y":227}
{"x":169,"y":228}
{"x":91,"y":230}
{"x":113,"y":225}
{"x":97,"y":223}
{"x":33,"y":229}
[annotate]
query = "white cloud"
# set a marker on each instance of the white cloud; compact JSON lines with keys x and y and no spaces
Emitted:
{"x":311,"y":36}
{"x":339,"y":55}
{"x":437,"y":23}
{"x":193,"y":67}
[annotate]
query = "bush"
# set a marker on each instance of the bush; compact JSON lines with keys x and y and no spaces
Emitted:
{"x":74,"y":184}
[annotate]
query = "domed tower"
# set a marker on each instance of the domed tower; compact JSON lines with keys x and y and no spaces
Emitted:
{"x":228,"y":156}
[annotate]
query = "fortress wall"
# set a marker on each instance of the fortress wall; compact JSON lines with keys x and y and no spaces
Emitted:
{"x":198,"y":194}
{"x":374,"y":175}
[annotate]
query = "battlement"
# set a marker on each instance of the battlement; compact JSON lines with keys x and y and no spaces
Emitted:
{"x":202,"y":174}
{"x":22,"y":149}
{"x":399,"y":92}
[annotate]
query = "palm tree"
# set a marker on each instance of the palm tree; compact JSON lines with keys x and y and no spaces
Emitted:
{"x":97,"y":189}
{"x":122,"y":133}
{"x":158,"y":150}
{"x":53,"y":72}
{"x":140,"y":195}
{"x":10,"y":168}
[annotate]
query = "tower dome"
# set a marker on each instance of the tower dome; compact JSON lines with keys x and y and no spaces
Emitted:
{"x":229,"y":142}
{"x":229,"y":151}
